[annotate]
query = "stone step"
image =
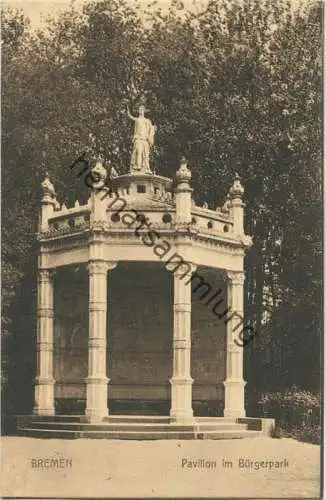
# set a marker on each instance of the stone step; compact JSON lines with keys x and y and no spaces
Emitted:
{"x":46,"y":433}
{"x":139,"y":419}
{"x":137,"y":435}
{"x":119,"y":418}
{"x":134,"y":426}
{"x":77,"y":418}
{"x":229,"y":434}
{"x":215,"y":419}
{"x":21,"y":419}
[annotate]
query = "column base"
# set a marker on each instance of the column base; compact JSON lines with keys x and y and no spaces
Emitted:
{"x":97,"y":399}
{"x":44,"y":396}
{"x":234,"y":398}
{"x":181,"y":400}
{"x":234,"y":413}
{"x":182,"y":417}
{"x":94,"y":418}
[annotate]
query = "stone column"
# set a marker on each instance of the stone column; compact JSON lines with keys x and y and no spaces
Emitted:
{"x":97,"y":381}
{"x":234,"y":384}
{"x":181,"y":381}
{"x":44,"y":381}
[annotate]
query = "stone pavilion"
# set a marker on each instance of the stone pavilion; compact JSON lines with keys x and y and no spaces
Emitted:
{"x":140,"y":309}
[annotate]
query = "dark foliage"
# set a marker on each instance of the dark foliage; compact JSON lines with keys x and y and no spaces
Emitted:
{"x":297,"y":414}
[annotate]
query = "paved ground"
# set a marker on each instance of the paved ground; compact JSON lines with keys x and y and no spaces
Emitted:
{"x":102,"y":468}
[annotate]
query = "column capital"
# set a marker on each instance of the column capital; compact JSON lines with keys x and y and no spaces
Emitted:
{"x":180,"y":272}
{"x":100,"y":266}
{"x":234,"y":277}
{"x":45,"y":274}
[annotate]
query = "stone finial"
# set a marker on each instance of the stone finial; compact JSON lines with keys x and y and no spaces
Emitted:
{"x":48,"y":203}
{"x":226,"y":207}
{"x":182,"y":195}
{"x":98,"y":174}
{"x":237,"y":207}
{"x":237,"y":190}
{"x":183,"y":174}
{"x":48,"y":188}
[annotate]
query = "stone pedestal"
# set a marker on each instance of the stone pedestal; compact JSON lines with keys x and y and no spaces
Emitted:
{"x":181,"y":381}
{"x":97,"y":381}
{"x":44,"y":381}
{"x":234,"y":384}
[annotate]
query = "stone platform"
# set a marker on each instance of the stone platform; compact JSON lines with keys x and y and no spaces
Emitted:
{"x":141,"y":427}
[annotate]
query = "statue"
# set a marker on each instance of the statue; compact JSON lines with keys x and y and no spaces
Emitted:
{"x":143,"y":141}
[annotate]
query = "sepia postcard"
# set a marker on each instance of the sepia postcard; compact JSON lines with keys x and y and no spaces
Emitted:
{"x":162,"y":238}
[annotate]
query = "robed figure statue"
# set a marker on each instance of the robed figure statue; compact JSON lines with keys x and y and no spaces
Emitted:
{"x":143,"y":141}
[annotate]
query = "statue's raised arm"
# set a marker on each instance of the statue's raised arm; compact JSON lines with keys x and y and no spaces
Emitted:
{"x":130,"y":115}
